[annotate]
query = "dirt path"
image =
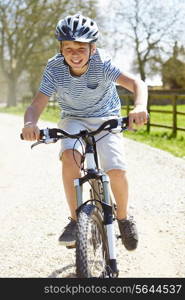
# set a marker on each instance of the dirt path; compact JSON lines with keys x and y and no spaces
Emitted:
{"x":33,"y":210}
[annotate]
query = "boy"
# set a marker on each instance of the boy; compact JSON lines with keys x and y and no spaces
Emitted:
{"x":84,"y":78}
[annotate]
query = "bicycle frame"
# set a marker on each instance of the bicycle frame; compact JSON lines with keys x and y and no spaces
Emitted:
{"x":94,"y":174}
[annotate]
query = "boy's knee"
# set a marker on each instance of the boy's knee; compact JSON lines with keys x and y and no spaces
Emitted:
{"x":71,"y":157}
{"x":117,"y":172}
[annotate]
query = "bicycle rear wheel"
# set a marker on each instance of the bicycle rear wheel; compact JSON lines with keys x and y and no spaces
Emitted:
{"x":91,"y":244}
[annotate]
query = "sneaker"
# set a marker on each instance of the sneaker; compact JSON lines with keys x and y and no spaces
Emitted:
{"x":68,"y":236}
{"x":129,"y":233}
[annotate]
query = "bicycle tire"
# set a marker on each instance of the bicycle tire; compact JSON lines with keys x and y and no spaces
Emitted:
{"x":89,"y":215}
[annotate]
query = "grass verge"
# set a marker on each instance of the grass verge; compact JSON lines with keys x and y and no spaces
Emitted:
{"x":162,"y":138}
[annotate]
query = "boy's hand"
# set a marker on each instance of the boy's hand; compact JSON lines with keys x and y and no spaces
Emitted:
{"x":138,"y":116}
{"x":30,"y":132}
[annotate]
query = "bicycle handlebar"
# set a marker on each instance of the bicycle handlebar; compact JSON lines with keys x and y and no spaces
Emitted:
{"x":54,"y":134}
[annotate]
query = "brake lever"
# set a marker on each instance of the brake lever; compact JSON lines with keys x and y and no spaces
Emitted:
{"x":36,"y":144}
{"x":116,"y":130}
{"x":45,"y":141}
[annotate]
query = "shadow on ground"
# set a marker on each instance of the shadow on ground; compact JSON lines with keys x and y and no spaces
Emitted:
{"x":65,"y":272}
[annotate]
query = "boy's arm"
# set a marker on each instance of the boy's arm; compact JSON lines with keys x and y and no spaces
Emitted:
{"x":31,"y":131}
{"x":137,"y":86}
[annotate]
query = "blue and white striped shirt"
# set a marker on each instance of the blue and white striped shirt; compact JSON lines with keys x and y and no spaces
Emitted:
{"x":92,"y":94}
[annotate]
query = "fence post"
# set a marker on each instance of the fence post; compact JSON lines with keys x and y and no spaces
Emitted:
{"x":174,"y":106}
{"x":127,"y":104}
{"x":148,"y":108}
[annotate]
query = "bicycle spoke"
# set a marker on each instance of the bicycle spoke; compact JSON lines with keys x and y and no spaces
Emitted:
{"x":96,"y":257}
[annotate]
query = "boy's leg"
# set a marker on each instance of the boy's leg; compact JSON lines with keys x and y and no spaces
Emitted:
{"x":119,"y":186}
{"x":70,"y":171}
{"x":70,"y":155}
{"x":71,"y":159}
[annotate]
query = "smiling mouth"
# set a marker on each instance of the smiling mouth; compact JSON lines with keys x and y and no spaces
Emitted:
{"x":76,"y":62}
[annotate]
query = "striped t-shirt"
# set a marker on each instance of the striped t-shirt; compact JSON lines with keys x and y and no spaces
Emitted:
{"x":92,"y":94}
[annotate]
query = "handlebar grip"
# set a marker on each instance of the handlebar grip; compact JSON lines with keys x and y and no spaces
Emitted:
{"x":125,"y":120}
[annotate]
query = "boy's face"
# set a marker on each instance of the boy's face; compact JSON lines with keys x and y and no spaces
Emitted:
{"x":77,"y":54}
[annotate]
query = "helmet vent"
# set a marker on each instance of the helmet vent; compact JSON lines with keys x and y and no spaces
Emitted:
{"x":64,"y":29}
{"x":68,"y":21}
{"x":75,"y":25}
{"x":94,"y":34}
{"x":86,"y":30}
{"x":83,"y":21}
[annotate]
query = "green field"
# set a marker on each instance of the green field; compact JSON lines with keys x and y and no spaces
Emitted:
{"x":158,"y":137}
{"x":161,"y":137}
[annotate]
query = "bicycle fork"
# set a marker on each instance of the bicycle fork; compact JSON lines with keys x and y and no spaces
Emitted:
{"x":109,"y":226}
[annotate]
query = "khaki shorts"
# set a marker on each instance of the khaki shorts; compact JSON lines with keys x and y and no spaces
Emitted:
{"x":110,"y":148}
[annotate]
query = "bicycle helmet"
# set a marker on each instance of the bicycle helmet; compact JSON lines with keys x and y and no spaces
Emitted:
{"x":77,"y":28}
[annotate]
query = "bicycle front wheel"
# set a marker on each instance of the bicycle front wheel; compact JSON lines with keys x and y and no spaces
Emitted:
{"x":91,"y":244}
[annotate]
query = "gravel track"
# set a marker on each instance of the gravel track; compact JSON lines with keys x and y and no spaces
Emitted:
{"x":33,"y":210}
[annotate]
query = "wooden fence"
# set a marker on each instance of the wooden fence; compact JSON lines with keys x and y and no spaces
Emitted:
{"x":156,"y":97}
{"x":173,"y":100}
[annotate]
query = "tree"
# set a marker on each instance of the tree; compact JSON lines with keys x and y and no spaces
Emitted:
{"x":149,"y":27}
{"x":19,"y":19}
{"x":27,"y":36}
{"x":173,"y":70}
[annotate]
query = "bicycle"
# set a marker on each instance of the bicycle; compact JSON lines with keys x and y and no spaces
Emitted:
{"x":95,"y":236}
